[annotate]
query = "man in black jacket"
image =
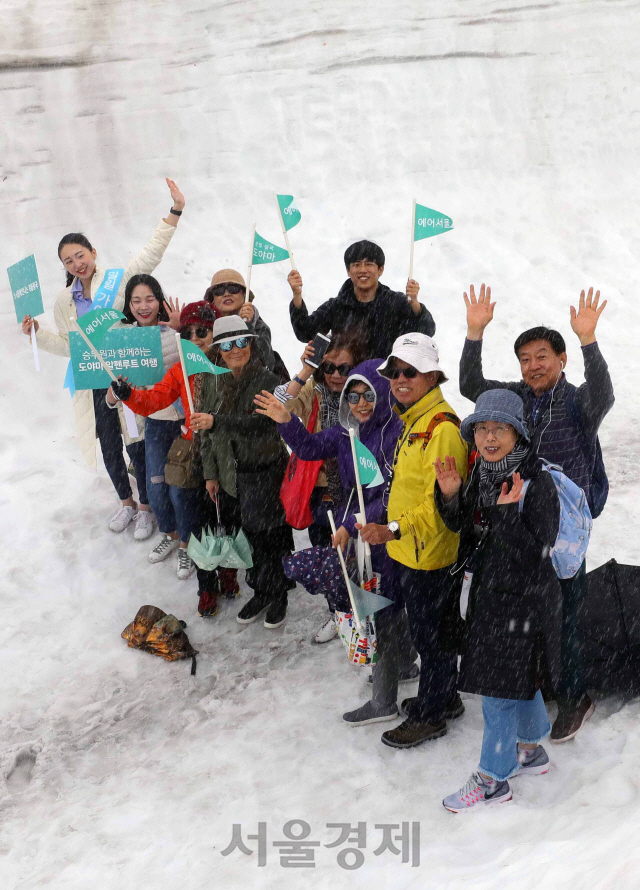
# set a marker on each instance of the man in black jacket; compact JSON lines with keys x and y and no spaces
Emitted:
{"x":563,"y":420}
{"x":375,"y":315}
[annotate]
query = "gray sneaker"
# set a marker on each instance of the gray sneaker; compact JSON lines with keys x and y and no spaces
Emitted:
{"x":476,"y":792}
{"x":370,"y":713}
{"x":533,"y":763}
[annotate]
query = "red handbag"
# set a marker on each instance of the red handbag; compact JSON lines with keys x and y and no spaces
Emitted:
{"x":299,"y":481}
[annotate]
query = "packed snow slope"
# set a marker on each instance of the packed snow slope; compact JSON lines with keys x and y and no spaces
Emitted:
{"x":518,"y":120}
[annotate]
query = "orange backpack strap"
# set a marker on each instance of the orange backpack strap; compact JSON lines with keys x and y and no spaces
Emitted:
{"x":436,"y":420}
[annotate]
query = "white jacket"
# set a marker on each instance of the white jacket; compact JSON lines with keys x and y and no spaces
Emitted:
{"x":65,"y":309}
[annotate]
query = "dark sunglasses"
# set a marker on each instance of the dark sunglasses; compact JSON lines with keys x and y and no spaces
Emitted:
{"x":187,"y":333}
{"x":394,"y":373}
{"x":221,"y":289}
{"x":354,"y":397}
{"x":330,"y":368}
{"x":240,"y":342}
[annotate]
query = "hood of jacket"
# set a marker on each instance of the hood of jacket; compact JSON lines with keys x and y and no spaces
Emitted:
{"x":382,"y":411}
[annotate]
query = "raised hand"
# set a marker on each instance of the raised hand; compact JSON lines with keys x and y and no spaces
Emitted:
{"x":479,"y":311}
{"x":271,"y":407}
{"x":412,"y":295}
{"x":176,"y":195}
{"x":584,"y":321}
{"x":295,"y":283}
{"x":27,"y":322}
{"x":173,"y":311}
{"x":516,"y":493}
{"x":247,"y":311}
{"x":448,"y":478}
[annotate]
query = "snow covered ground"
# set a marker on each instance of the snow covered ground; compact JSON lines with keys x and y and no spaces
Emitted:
{"x":521,"y":122}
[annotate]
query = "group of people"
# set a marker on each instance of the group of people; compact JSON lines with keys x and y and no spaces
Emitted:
{"x":461,"y":528}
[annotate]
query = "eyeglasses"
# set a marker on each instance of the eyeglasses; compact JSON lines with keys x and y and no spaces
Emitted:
{"x":500,"y":432}
{"x":240,"y":342}
{"x":330,"y":368}
{"x":200,"y":333}
{"x":394,"y":373}
{"x":354,"y":397}
{"x":220,"y":290}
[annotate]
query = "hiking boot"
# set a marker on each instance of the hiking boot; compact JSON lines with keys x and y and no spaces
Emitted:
{"x":411,"y":733}
{"x":122,"y":519}
{"x":144,"y":525}
{"x":163,"y":548}
{"x":327,"y":632}
{"x":276,"y":613}
{"x":570,"y":719}
{"x":186,"y":566}
{"x":454,"y":709}
{"x":250,"y":611}
{"x":478,"y":791}
{"x":207,"y":604}
{"x":412,"y":674}
{"x":229,"y":587}
{"x":533,"y":763}
{"x":370,"y":713}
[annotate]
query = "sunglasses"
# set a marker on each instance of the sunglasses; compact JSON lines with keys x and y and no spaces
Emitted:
{"x":330,"y":368}
{"x":409,"y":373}
{"x":221,"y":289}
{"x":201,"y":333}
{"x":240,"y":342}
{"x":354,"y":397}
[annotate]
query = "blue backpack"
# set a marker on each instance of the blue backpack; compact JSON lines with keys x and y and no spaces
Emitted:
{"x":570,"y":548}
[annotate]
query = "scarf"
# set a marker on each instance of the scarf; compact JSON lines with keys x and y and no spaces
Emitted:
{"x":329,"y":416}
{"x":493,"y":474}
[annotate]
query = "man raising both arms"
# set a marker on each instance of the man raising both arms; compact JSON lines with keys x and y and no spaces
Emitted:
{"x":563,"y":421}
{"x":365,"y":309}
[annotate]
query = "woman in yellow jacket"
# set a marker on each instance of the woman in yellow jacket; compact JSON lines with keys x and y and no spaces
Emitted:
{"x":422,"y":547}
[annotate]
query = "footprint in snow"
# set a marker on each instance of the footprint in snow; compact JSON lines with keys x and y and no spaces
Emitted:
{"x":20,"y":773}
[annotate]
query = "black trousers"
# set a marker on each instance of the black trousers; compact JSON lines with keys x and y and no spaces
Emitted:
{"x":109,"y":435}
{"x":427,"y":595}
{"x":267,"y":578}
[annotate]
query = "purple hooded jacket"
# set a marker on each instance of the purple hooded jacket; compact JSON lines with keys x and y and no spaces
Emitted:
{"x":379,"y":434}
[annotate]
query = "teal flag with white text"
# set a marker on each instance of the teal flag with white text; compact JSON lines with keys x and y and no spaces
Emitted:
{"x":289,"y":212}
{"x":430,"y":222}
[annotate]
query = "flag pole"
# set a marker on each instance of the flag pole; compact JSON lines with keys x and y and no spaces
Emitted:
{"x":413,"y":237}
{"x":362,"y":519}
{"x":253,"y":241}
{"x":284,"y":232}
{"x":75,"y":326}
{"x":34,"y":346}
{"x":345,"y":573}
{"x":187,"y":385}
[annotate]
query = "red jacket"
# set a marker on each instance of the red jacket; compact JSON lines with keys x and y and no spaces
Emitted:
{"x":163,"y":394}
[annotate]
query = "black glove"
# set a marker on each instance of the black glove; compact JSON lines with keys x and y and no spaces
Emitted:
{"x":121,"y":389}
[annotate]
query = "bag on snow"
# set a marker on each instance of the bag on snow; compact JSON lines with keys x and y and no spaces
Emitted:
{"x":570,"y":548}
{"x":152,"y":630}
{"x":609,"y":625}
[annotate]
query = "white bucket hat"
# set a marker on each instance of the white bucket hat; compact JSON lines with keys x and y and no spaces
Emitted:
{"x":229,"y":327}
{"x":416,"y":350}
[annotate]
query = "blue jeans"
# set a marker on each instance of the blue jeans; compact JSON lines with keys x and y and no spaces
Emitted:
{"x":507,"y":722}
{"x":175,"y":509}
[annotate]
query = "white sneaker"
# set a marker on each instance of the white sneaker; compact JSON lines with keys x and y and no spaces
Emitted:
{"x":163,"y":548}
{"x":122,"y":519}
{"x":144,"y":525}
{"x":186,"y":566}
{"x":327,"y":632}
